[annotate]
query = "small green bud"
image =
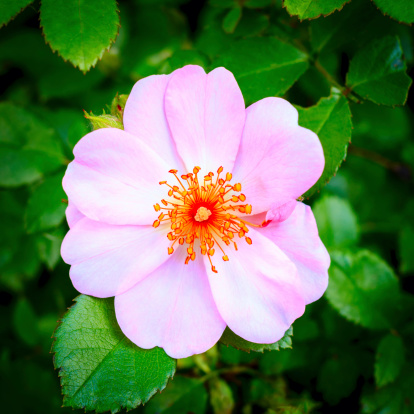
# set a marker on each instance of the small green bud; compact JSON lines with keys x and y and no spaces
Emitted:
{"x":118,"y":106}
{"x":104,"y":121}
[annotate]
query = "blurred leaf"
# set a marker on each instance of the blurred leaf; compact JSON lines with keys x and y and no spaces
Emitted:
{"x":25,"y":322}
{"x":10,"y":8}
{"x":45,"y":208}
{"x":232,"y":19}
{"x":337,"y":378}
{"x":105,"y":371}
{"x":395,"y":398}
{"x":406,"y":249}
{"x":230,"y":338}
{"x":80,"y":31}
{"x":181,"y":58}
{"x":378,"y":72}
{"x":48,"y":247}
{"x":330,"y":119}
{"x":363,"y":289}
{"x":402,"y":10}
{"x":256,"y":4}
{"x":263,"y":66}
{"x":28,"y":147}
{"x":337,"y":223}
{"x":311,"y":9}
{"x":389,"y":360}
{"x":221,"y":396}
{"x":183,"y":395}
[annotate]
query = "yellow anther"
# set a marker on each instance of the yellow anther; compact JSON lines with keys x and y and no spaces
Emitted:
{"x":196,"y":170}
{"x":190,"y":250}
{"x":170,"y":193}
{"x":157,"y":207}
{"x":225,"y":258}
{"x":248,"y":208}
{"x":193,"y":256}
{"x":242,"y":209}
{"x":164,"y":202}
{"x":173,"y":171}
{"x":237,"y":187}
{"x":242,"y":197}
{"x":235,"y":199}
{"x":248,"y":240}
{"x":170,"y":250}
{"x":161,"y":216}
{"x":229,"y":176}
{"x":230,"y":235}
{"x":211,"y":252}
{"x":220,"y":170}
{"x":181,"y":241}
{"x":184,"y":177}
{"x":155,"y":224}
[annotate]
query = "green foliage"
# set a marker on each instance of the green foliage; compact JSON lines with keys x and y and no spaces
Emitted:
{"x":263,"y":66}
{"x":363,"y":289}
{"x":389,"y":360}
{"x":311,"y":9}
{"x":330,"y":119}
{"x":351,"y":351}
{"x":80,"y":31}
{"x":402,"y":10}
{"x":230,"y":338}
{"x":337,"y":223}
{"x":183,"y":395}
{"x":100,"y":368}
{"x":28,"y":147}
{"x":10,"y":8}
{"x":377,"y":72}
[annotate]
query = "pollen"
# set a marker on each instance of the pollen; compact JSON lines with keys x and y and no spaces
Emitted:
{"x":200,"y":212}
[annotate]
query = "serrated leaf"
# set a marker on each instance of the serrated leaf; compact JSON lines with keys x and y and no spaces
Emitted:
{"x":363,"y":288}
{"x":263,"y":66}
{"x":378,"y":72}
{"x":28,"y":147}
{"x":45,"y":208}
{"x":330,"y":119}
{"x":99,"y":368}
{"x":337,"y":222}
{"x":232,"y":19}
{"x":311,"y":9}
{"x":183,"y":395}
{"x":10,"y":8}
{"x":230,"y":338}
{"x":401,"y":10}
{"x":80,"y":30}
{"x":389,"y":360}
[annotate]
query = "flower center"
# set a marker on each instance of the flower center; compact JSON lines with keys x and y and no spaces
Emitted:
{"x":200,"y":209}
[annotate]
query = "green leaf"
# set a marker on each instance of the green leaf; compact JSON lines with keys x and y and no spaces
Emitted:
{"x":80,"y":30}
{"x":263,"y":66}
{"x":221,"y":396}
{"x":389,"y":360}
{"x":10,"y":9}
{"x":330,"y":119}
{"x":401,"y":10}
{"x":25,"y":322}
{"x":232,"y":19}
{"x":363,"y":289}
{"x":337,"y":223}
{"x":230,"y":338}
{"x":45,"y":208}
{"x":406,"y":249}
{"x":378,"y":72}
{"x":311,"y":9}
{"x":337,"y":378}
{"x":183,"y":395}
{"x":28,"y":147}
{"x":48,"y":247}
{"x":100,"y":368}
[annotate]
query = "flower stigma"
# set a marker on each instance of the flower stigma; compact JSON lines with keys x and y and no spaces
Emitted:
{"x":202,"y":209}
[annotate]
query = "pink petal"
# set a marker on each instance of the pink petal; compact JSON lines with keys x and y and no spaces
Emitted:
{"x":107,"y":260}
{"x":73,"y":215}
{"x":298,"y":238}
{"x":257,"y":292}
{"x":282,"y":212}
{"x":206,"y":117}
{"x":115,"y":178}
{"x":144,"y":117}
{"x":278,"y":160}
{"x":172,"y":308}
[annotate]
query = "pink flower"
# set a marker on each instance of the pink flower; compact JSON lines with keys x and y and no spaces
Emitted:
{"x":227,"y":244}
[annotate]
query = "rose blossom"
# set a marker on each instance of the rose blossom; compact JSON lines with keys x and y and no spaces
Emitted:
{"x":189,"y":216}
